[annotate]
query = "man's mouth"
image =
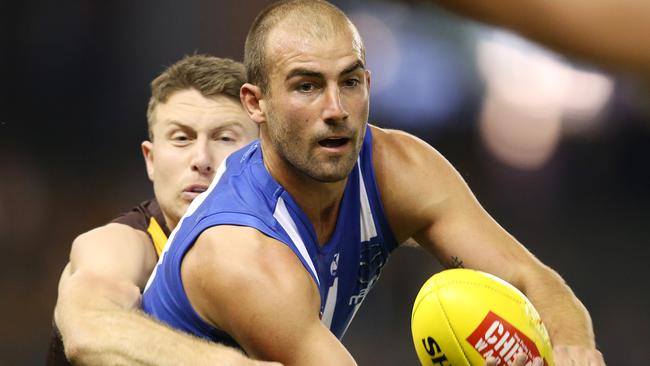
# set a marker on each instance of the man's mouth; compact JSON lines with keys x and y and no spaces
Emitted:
{"x":333,"y":142}
{"x":191,"y":192}
{"x":196,"y":189}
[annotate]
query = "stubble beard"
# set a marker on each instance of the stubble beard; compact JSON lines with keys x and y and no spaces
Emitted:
{"x":303,"y":160}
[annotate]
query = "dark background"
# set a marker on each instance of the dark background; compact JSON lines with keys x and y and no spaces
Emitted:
{"x":74,"y":88}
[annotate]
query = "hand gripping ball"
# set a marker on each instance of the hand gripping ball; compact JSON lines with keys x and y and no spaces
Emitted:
{"x":462,"y":316}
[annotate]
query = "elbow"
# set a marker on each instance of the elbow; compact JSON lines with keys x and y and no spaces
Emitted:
{"x":535,"y":275}
{"x":80,"y":315}
{"x":85,"y":335}
{"x":80,"y":344}
{"x":78,"y":351}
{"x":543,"y":282}
{"x":78,"y":333}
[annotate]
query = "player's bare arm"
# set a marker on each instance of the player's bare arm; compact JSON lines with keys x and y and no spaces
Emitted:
{"x":605,"y":31}
{"x":430,"y":202}
{"x":256,"y":289}
{"x":96,"y":311}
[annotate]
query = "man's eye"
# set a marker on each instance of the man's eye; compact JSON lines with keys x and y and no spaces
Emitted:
{"x":226,"y":138}
{"x":180,"y":138}
{"x":306,"y":87}
{"x":351,"y":82}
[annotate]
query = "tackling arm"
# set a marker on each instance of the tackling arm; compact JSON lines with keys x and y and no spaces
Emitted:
{"x":442,"y":214}
{"x":96,"y":311}
{"x":256,"y":289}
{"x":606,"y":31}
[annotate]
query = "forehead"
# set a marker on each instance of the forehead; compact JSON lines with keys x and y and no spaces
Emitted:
{"x":191,"y":108}
{"x":288,"y":48}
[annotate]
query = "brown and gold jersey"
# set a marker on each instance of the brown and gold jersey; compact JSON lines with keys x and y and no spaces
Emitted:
{"x":146,"y":217}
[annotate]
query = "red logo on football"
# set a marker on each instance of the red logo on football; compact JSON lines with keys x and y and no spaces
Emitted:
{"x":497,"y":338}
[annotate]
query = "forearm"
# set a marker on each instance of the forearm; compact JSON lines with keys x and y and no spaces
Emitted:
{"x":100,"y":325}
{"x":110,"y":337}
{"x":565,"y":317}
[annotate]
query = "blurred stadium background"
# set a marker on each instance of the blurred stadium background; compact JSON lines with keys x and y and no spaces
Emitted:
{"x":556,"y":150}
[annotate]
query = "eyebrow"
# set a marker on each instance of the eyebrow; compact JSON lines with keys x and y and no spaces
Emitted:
{"x":176,"y":123}
{"x":315,"y":74}
{"x":225,"y":125}
{"x":357,"y":65}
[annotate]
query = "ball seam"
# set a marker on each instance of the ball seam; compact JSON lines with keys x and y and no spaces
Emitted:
{"x":455,"y":336}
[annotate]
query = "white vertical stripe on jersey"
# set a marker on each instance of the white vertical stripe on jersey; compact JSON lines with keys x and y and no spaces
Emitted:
{"x":284,"y":218}
{"x":368,"y":229}
{"x":330,"y":304}
{"x":190,"y":210}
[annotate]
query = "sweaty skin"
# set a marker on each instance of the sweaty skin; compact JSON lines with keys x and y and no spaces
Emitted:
{"x":99,"y":291}
{"x":319,"y":92}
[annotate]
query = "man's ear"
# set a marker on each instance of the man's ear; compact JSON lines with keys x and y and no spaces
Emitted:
{"x":368,"y":74}
{"x":253,"y":103}
{"x":147,"y":152}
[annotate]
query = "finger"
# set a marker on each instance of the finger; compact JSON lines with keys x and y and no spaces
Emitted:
{"x":520,"y":360}
{"x":491,"y":361}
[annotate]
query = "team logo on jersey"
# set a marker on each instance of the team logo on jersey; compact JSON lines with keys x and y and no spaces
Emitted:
{"x":335,"y":265}
{"x":373,"y":258}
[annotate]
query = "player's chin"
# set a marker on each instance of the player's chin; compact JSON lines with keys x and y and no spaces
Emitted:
{"x":334,"y":171}
{"x":181,"y":207}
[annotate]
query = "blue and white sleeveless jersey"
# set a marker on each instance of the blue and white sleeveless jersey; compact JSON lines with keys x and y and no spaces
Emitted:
{"x":244,"y":193}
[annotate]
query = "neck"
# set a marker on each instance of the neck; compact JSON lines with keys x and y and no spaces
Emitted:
{"x":319,"y":200}
{"x":171,"y":223}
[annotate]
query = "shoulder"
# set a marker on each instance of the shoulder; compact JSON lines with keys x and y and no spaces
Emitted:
{"x":112,"y":233}
{"x":399,"y":158}
{"x":255,"y":289}
{"x":412,"y":177}
{"x":394,"y":147}
{"x":228,"y":260}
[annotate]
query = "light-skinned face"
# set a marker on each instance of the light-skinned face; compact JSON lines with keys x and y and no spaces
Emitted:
{"x":317,"y":108}
{"x":192,"y":135}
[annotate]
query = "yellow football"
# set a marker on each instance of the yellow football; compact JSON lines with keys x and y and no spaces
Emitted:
{"x":462,"y":316}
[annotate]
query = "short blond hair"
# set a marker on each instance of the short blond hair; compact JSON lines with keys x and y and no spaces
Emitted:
{"x":211,"y":76}
{"x":323,"y":20}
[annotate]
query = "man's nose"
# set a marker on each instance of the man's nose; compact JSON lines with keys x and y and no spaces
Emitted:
{"x":334,"y":111}
{"x":202,"y":160}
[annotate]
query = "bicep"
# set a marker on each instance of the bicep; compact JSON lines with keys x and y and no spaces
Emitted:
{"x":114,"y":251}
{"x":260,"y":294}
{"x":108,"y":266}
{"x":431,"y":202}
{"x":285,"y":333}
